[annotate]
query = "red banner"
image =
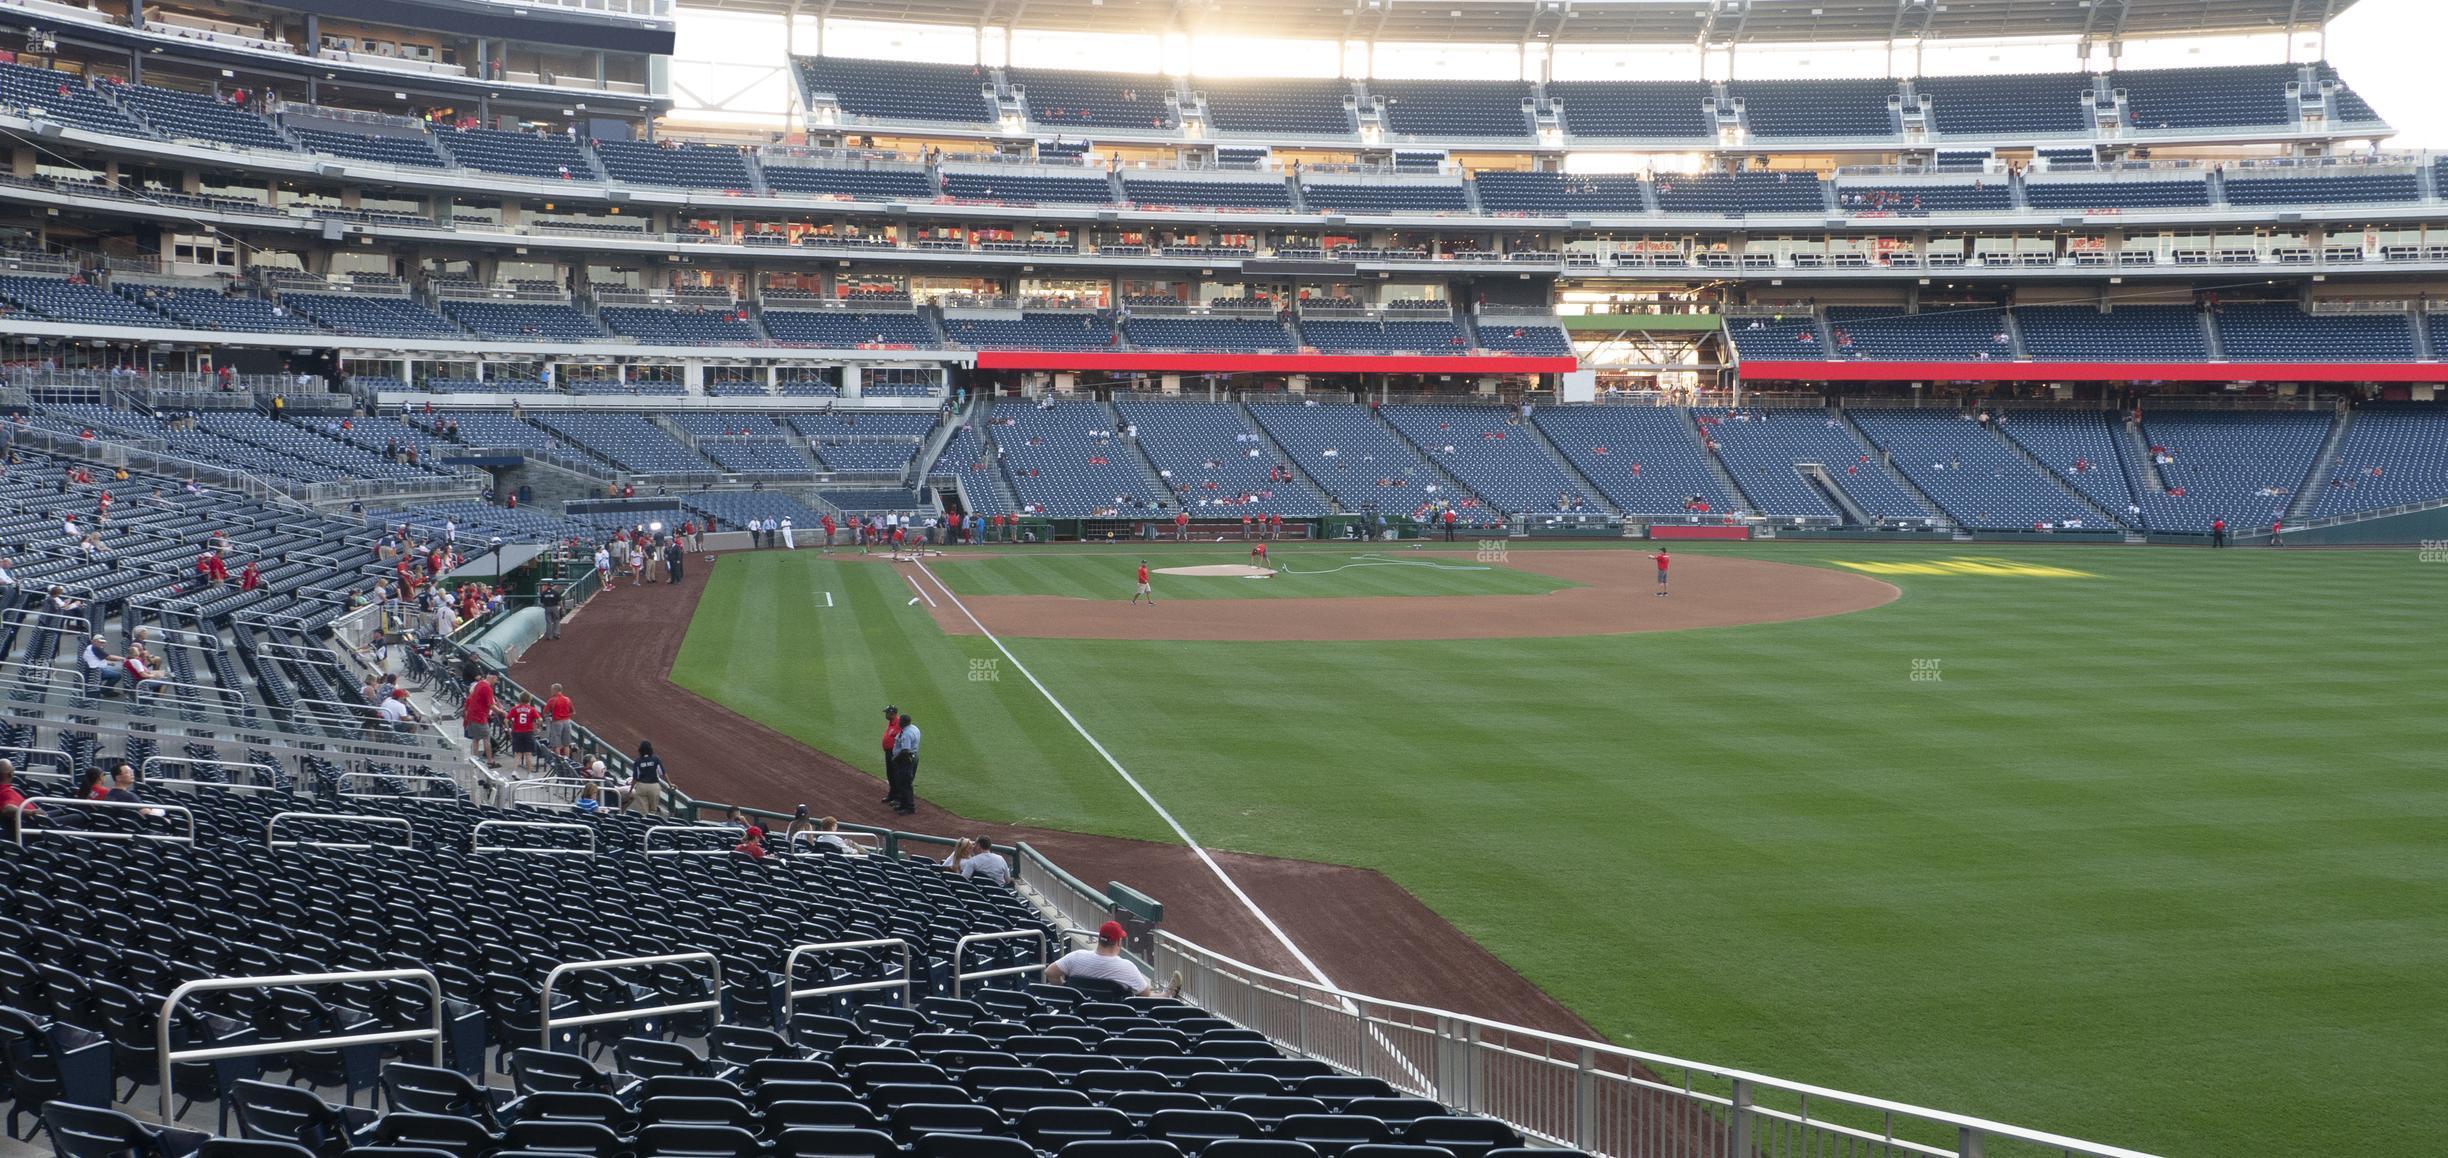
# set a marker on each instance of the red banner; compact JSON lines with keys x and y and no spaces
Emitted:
{"x":2094,"y":371}
{"x":1149,"y":363}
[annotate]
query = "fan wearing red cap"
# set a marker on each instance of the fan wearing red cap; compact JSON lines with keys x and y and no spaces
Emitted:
{"x":1103,"y":967}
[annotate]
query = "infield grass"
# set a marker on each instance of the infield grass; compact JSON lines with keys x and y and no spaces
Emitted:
{"x":2158,"y":858}
{"x":1306,"y":571}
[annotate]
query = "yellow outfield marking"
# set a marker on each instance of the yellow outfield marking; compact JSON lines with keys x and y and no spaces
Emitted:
{"x":1970,"y":565}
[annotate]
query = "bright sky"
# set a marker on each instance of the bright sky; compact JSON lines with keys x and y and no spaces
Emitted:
{"x":2387,"y":50}
{"x":730,"y":67}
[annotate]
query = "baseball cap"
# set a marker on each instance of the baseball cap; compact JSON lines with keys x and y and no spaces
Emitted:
{"x":399,"y":693}
{"x":1110,"y":933}
{"x":890,"y":710}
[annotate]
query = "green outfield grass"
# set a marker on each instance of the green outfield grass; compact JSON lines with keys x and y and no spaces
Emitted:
{"x":1307,"y":571}
{"x":2159,"y":858}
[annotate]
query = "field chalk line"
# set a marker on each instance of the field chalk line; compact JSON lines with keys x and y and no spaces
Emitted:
{"x":1196,"y":848}
{"x":913,"y":580}
{"x":828,"y":599}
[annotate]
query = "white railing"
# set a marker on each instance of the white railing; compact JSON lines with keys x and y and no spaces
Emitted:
{"x":147,"y":808}
{"x":790,"y":974}
{"x":960,"y":949}
{"x":476,"y":836}
{"x":546,"y":1022}
{"x":646,"y":843}
{"x":171,"y":1057}
{"x":407,"y":831}
{"x":1600,"y":1098}
{"x":266,"y":777}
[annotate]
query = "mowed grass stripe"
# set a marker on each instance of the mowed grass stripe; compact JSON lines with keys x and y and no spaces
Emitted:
{"x":1317,"y":571}
{"x":2157,"y":859}
{"x":764,"y":644}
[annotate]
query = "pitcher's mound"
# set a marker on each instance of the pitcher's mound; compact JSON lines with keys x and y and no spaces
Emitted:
{"x":1220,"y":571}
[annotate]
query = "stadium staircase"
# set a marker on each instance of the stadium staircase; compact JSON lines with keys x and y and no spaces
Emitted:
{"x":2140,"y":472}
{"x":1817,"y":475}
{"x":994,"y":476}
{"x":1445,"y":478}
{"x":922,"y":464}
{"x":1879,"y":458}
{"x":2422,"y":328}
{"x":688,"y":438}
{"x":1276,"y":449}
{"x":1147,"y":469}
{"x":2211,"y":345}
{"x":2307,"y":495}
{"x":1717,"y":466}
{"x":1565,"y":464}
{"x":2111,"y":518}
{"x":2014,"y":330}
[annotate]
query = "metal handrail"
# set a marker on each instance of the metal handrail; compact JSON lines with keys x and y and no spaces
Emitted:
{"x":152,"y":762}
{"x":476,"y":836}
{"x":812,"y":836}
{"x":546,"y":1022}
{"x":961,"y":948}
{"x":170,"y":1057}
{"x":65,"y":760}
{"x":405,"y":778}
{"x":119,"y":805}
{"x":1471,"y":1034}
{"x":646,"y":843}
{"x":790,"y":969}
{"x":359,"y":818}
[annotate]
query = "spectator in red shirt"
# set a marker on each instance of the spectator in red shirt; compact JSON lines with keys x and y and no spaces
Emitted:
{"x":476,"y":718}
{"x":524,"y":717}
{"x":13,"y":806}
{"x":211,"y":569}
{"x":557,"y":725}
{"x":250,"y":577}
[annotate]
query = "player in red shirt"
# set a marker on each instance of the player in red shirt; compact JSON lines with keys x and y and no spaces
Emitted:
{"x":1181,"y":526}
{"x":1449,"y":524}
{"x":1258,"y":555}
{"x":1662,"y":559}
{"x":892,"y":733}
{"x":828,"y":529}
{"x":1274,"y":527}
{"x":1144,"y":589}
{"x":523,"y":717}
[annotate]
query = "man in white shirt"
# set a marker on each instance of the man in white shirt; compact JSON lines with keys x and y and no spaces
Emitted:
{"x":8,"y":575}
{"x":977,"y":860}
{"x":790,"y":542}
{"x":395,"y":710}
{"x":1103,"y":963}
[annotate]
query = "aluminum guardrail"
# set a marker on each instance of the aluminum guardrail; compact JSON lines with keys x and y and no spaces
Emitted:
{"x":1603,"y":1099}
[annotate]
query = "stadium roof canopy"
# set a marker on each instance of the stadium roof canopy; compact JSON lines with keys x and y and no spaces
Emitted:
{"x":1661,"y":22}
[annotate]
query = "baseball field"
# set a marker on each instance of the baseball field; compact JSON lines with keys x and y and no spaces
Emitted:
{"x":2148,"y":846}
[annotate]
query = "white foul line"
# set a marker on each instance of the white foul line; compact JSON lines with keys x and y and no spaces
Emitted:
{"x":1196,"y":849}
{"x":931,"y":599}
{"x":828,"y":599}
